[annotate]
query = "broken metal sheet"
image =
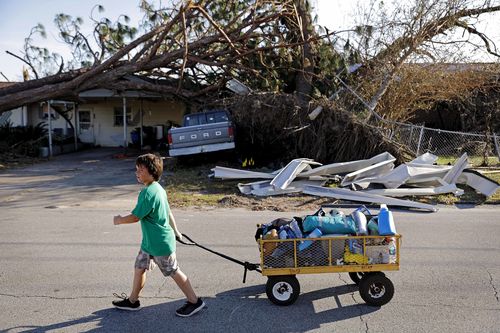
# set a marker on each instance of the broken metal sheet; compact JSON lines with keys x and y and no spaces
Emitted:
{"x":248,"y":188}
{"x":230,"y":173}
{"x":378,"y":169}
{"x":340,"y":193}
{"x":459,"y":166}
{"x":403,"y":192}
{"x":407,"y":174}
{"x":264,"y":188}
{"x":346,"y":167}
{"x":290,"y":171}
{"x":478,"y":182}
{"x":418,"y":172}
{"x":426,"y":158}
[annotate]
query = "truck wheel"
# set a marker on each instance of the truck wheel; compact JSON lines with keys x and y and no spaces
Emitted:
{"x":283,"y":289}
{"x":376,"y":289}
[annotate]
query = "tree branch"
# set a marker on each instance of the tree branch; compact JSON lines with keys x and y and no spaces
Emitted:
{"x":25,"y":61}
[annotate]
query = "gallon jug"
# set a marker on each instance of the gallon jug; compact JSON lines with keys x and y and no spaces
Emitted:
{"x":314,"y":234}
{"x":386,"y":225}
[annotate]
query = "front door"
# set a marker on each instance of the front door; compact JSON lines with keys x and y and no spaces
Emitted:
{"x":86,"y":126}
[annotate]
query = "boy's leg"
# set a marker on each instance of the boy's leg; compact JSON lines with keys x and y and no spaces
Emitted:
{"x":183,"y":282}
{"x":138,"y":284}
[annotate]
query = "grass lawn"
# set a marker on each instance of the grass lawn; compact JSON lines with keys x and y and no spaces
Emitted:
{"x":191,"y":186}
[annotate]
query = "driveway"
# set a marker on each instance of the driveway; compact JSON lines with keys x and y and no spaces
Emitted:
{"x":88,"y":178}
{"x":61,"y":258}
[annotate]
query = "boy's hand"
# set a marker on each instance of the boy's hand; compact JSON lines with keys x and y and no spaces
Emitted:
{"x":178,"y":235}
{"x":116,"y":219}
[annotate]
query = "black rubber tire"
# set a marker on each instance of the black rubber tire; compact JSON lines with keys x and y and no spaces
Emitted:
{"x":283,"y":289}
{"x":356,"y":276}
{"x":376,"y":289}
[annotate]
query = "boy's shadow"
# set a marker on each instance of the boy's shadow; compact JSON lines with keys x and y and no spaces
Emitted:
{"x":239,"y":310}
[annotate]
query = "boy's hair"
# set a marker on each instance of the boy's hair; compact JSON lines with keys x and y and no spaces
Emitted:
{"x":153,"y":163}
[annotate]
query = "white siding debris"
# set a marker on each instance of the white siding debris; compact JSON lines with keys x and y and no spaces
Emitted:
{"x":418,"y":177}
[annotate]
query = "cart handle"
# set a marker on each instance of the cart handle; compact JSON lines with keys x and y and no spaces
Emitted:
{"x":248,"y":266}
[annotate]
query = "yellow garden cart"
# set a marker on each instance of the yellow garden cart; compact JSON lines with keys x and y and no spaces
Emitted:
{"x":363,"y":257}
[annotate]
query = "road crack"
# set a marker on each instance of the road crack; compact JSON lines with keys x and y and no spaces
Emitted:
{"x":359,"y":305}
{"x":495,"y":291}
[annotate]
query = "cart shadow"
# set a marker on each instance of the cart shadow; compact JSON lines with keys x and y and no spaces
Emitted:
{"x":301,"y":316}
{"x":239,"y":310}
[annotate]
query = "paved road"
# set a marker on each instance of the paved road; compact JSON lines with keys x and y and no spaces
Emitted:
{"x":61,"y":259}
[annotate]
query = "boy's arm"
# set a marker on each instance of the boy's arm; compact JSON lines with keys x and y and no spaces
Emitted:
{"x":171,"y":221}
{"x":131,"y":218}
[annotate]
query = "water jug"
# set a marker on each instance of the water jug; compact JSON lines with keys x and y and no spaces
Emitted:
{"x":386,"y":225}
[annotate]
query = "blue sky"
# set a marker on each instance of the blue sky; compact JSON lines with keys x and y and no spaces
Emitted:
{"x":19,"y":16}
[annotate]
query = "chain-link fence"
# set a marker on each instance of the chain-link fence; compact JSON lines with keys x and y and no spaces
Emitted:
{"x":482,"y":149}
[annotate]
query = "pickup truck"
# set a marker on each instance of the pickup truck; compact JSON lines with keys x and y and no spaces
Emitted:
{"x":201,"y":133}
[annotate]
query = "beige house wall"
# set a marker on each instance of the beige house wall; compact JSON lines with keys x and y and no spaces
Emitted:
{"x":15,"y":117}
{"x":104,"y":132}
{"x":155,"y":113}
{"x":36,"y":115}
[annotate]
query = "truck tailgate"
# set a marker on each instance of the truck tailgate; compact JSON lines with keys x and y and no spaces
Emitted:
{"x":200,"y":135}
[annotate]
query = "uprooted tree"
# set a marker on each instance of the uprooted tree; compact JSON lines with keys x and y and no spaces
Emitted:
{"x":191,"y":49}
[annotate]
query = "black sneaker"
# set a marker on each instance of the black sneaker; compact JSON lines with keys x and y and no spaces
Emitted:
{"x":190,"y":309}
{"x":125,"y":303}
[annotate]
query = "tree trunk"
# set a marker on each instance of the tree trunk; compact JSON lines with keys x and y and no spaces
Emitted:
{"x":303,"y":81}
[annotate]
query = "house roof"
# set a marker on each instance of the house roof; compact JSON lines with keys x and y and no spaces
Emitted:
{"x":100,"y":93}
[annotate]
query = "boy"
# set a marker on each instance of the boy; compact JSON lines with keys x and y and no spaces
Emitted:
{"x":159,"y":232}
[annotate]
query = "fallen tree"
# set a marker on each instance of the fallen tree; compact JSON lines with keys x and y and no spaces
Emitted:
{"x":187,"y":44}
{"x":272,"y":128}
{"x":190,"y":51}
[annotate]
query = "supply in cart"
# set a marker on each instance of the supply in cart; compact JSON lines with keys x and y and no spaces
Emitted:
{"x":327,"y":235}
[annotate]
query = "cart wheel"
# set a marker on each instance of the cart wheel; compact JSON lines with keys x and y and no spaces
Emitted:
{"x":356,"y":276}
{"x":282,"y":290}
{"x":376,"y":289}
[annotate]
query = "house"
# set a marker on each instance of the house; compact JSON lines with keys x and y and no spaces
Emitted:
{"x":103,"y":117}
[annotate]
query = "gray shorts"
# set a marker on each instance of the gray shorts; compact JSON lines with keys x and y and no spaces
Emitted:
{"x":167,"y":264}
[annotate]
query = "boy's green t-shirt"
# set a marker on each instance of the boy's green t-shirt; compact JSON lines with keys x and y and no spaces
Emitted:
{"x":158,"y":238}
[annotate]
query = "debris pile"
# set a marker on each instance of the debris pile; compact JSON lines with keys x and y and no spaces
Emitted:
{"x":374,"y":180}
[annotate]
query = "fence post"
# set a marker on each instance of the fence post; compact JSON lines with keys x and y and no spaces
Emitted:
{"x":496,"y":145}
{"x":420,"y":139}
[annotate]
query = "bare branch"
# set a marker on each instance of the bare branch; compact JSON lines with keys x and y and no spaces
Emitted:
{"x":25,"y":61}
{"x":481,"y":35}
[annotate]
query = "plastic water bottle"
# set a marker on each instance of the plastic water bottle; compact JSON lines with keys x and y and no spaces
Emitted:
{"x":372,"y":226}
{"x":314,"y":234}
{"x":295,"y":228}
{"x":360,"y":220}
{"x":386,"y":225}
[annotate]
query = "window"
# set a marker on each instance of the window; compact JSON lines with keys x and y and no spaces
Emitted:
{"x":118,"y":116}
{"x":217,"y":117}
{"x":195,"y":119}
{"x":191,"y":120}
